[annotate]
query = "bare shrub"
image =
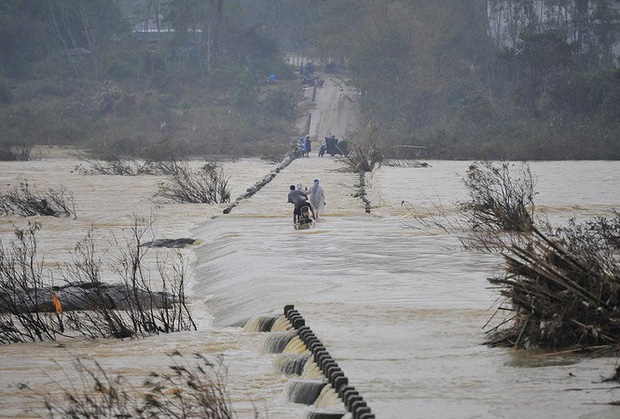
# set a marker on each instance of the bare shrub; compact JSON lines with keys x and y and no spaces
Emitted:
{"x":499,"y":201}
{"x":97,"y":312}
{"x":188,"y":390}
{"x":24,"y":305}
{"x":88,"y":306}
{"x":133,"y":308}
{"x":500,"y":208}
{"x":126,"y":167}
{"x":20,"y":200}
{"x":152,"y":312}
{"x":209,"y":185}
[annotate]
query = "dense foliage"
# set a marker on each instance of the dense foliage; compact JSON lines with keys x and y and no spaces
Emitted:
{"x":517,"y":79}
{"x":121,"y":77}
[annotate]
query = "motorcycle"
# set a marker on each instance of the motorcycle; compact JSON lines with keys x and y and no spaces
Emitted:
{"x":304,"y":221}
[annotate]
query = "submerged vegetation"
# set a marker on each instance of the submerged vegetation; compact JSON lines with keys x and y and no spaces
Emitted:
{"x":21,"y":200}
{"x":501,"y":199}
{"x":208,"y":185}
{"x":187,"y":390}
{"x":561,"y":286}
{"x":34,"y":308}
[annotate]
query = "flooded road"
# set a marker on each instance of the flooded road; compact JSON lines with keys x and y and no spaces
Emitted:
{"x":400,"y":305}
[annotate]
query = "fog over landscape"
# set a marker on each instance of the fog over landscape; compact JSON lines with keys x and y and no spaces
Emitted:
{"x":465,"y":263}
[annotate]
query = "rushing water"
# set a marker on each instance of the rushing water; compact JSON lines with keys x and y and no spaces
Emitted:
{"x":398,"y":303}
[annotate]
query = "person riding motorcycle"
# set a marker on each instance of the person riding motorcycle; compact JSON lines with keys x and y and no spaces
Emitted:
{"x":299,"y":198}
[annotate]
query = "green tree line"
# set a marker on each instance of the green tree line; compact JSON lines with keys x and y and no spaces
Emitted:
{"x":518,"y":79}
{"x":118,"y":77}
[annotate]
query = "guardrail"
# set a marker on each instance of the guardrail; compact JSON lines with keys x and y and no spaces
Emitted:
{"x":332,"y":373}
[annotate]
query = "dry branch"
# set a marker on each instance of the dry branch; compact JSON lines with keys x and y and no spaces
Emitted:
{"x":186,"y":390}
{"x":209,"y":185}
{"x":560,"y":299}
{"x":20,"y":200}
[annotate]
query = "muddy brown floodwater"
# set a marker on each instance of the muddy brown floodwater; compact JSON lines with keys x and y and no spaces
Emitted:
{"x":399,"y":304}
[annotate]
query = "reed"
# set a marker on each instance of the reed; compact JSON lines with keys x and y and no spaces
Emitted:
{"x":186,"y":390}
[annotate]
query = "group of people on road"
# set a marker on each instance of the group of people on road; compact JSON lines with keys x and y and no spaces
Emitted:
{"x":313,"y":198}
{"x":332,"y":146}
{"x":303,"y":147}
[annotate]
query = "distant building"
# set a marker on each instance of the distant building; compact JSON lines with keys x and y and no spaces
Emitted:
{"x":149,"y":32}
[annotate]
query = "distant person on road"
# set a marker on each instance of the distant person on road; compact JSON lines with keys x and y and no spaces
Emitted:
{"x":308,"y":145}
{"x":299,"y":199}
{"x":317,"y":197}
{"x":322,"y":149}
{"x":302,"y":146}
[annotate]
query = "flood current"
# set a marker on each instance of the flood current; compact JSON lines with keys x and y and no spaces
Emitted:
{"x":398,"y":302}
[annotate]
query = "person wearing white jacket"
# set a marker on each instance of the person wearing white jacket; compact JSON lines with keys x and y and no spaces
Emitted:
{"x":317,"y":197}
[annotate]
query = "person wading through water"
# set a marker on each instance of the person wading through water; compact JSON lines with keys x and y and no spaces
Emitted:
{"x":317,"y":197}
